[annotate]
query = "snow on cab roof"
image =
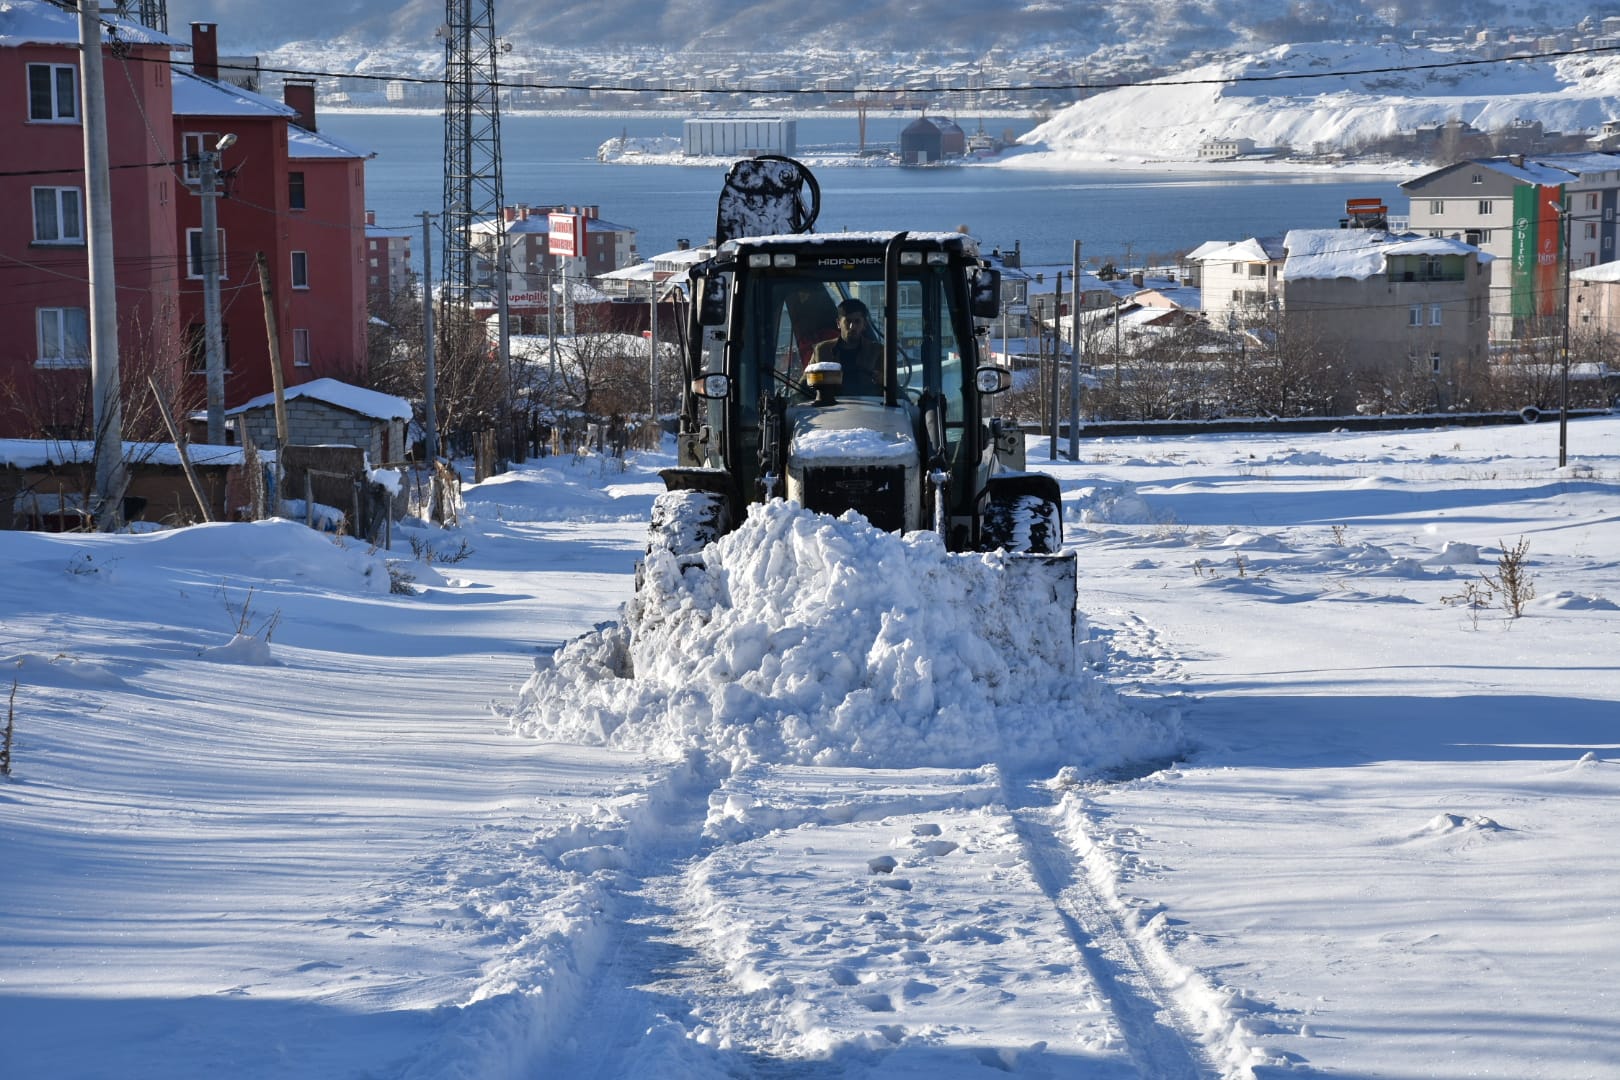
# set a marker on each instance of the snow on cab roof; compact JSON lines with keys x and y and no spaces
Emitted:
{"x":23,"y":22}
{"x":1359,"y":253}
{"x":356,"y":399}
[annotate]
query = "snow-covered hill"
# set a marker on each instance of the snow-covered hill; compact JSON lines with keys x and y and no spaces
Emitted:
{"x":1327,"y":96}
{"x":1165,"y":31}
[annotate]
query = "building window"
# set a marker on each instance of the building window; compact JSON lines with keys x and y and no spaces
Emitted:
{"x":64,"y":337}
{"x":1437,"y":206}
{"x":1434,"y":314}
{"x":1484,"y":207}
{"x":53,"y":93}
{"x":1434,"y":363}
{"x":1478,"y":178}
{"x":1414,"y":317}
{"x":301,"y":348}
{"x":194,"y":253}
{"x":1589,"y":230}
{"x":1592,"y":200}
{"x":58,"y":215}
{"x":193,"y":145}
{"x":295,"y":190}
{"x":300,"y":269}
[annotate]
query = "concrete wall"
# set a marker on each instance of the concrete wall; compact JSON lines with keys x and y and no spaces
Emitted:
{"x":315,"y":423}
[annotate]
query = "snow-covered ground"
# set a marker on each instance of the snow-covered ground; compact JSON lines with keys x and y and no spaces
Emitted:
{"x":1292,"y":806}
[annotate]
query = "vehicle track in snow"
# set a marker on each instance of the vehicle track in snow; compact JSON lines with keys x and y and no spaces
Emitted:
{"x":1163,"y":1041}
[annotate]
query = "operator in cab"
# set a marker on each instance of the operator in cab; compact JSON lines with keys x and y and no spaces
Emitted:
{"x":855,"y":349}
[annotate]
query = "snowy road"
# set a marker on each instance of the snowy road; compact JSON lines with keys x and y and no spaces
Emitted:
{"x":815,"y":922}
{"x":1300,"y":812}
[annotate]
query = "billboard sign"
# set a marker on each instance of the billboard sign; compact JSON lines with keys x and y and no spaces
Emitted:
{"x":567,"y":234}
{"x":1538,"y":249}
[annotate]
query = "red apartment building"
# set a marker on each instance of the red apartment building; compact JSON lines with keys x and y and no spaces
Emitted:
{"x":44,"y":262}
{"x":291,"y":193}
{"x":388,"y":262}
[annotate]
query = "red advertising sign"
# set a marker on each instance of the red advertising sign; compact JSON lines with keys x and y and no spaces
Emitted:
{"x":567,"y":234}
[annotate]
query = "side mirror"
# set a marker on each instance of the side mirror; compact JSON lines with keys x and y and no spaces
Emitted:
{"x":992,"y":378}
{"x":712,"y":385}
{"x":712,"y":305}
{"x":986,"y":301}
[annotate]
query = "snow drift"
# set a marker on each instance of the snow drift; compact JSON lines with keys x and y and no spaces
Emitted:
{"x":812,"y":640}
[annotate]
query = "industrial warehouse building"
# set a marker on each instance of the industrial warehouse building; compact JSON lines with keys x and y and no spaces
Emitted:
{"x":739,"y":136}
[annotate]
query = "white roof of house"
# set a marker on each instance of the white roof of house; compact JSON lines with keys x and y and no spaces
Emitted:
{"x":1254,"y":249}
{"x":303,"y":143}
{"x":197,"y":96}
{"x":1359,"y":253}
{"x":356,"y":399}
{"x":1602,"y":273}
{"x":38,"y":453}
{"x":1546,"y":169}
{"x":31,"y":22}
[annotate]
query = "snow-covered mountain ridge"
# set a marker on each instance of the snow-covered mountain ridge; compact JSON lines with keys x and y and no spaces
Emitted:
{"x":1301,"y":97}
{"x":1165,"y":30}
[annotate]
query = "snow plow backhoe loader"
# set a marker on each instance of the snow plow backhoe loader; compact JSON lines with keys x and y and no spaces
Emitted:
{"x":765,"y":415}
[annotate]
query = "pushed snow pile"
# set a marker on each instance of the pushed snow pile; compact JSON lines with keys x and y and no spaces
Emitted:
{"x":812,"y":640}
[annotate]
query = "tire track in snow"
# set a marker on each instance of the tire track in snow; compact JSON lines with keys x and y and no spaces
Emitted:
{"x":637,"y":1013}
{"x":1163,"y":1042}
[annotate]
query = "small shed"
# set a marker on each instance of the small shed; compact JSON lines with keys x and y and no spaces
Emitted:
{"x":46,"y":484}
{"x":326,"y":412}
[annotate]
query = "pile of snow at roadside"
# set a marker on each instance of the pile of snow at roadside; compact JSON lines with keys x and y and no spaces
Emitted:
{"x":806,"y":639}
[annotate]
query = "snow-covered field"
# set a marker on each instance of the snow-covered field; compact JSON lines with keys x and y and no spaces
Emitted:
{"x":1292,"y":807}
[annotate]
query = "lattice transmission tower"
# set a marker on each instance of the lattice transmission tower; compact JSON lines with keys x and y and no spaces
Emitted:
{"x":472,"y":143}
{"x":152,"y":13}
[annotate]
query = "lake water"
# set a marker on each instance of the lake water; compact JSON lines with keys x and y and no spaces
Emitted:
{"x":1117,"y":216}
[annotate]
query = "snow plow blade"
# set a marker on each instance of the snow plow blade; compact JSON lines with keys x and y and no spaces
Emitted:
{"x":1046,"y":583}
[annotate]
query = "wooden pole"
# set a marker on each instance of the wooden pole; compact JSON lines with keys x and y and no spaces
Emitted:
{"x":273,"y":331}
{"x":180,"y":446}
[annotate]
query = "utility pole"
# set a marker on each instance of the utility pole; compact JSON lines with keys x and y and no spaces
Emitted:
{"x":213,"y":342}
{"x":652,"y":368}
{"x":272,"y":331}
{"x":106,"y":410}
{"x":430,"y":417}
{"x":551,"y":329}
{"x":1074,"y":358}
{"x":1563,"y":386}
{"x":1057,"y":355}
{"x":503,"y":336}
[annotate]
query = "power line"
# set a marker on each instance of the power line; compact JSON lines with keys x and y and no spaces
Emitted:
{"x":1123,"y":84}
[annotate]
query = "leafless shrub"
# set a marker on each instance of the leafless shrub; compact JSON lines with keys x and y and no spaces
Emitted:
{"x":1512,"y":579}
